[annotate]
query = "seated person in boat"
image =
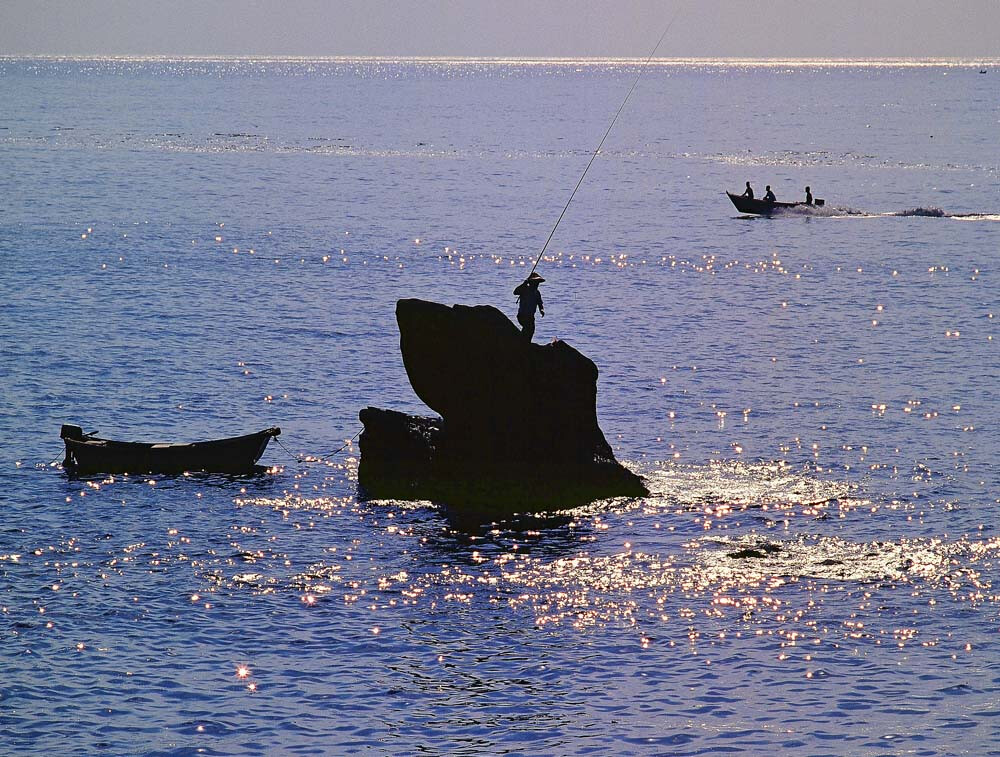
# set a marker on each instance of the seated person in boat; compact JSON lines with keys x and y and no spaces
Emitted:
{"x":768,"y":194}
{"x":809,"y":197}
{"x":748,"y":192}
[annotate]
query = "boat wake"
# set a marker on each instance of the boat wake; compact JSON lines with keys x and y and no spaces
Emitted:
{"x":835,"y":211}
{"x":925,"y":212}
{"x":939,"y":213}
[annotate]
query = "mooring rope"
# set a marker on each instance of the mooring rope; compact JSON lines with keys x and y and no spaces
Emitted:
{"x":317,"y":458}
{"x":348,"y":444}
{"x":287,"y":451}
{"x":601,"y":144}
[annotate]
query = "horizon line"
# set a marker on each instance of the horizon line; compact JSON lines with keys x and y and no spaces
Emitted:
{"x":902,"y":61}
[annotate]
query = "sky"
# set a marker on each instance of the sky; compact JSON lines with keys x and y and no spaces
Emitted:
{"x":503,"y":28}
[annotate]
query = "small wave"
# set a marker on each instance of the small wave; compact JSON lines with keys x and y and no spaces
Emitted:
{"x":833,"y":559}
{"x":736,"y":485}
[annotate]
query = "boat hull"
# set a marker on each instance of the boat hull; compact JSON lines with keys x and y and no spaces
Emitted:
{"x":759,"y":207}
{"x":87,"y":454}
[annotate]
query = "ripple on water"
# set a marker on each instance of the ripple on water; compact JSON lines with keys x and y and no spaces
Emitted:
{"x":825,"y":586}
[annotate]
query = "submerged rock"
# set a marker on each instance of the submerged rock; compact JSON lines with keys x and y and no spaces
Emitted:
{"x":518,"y":425}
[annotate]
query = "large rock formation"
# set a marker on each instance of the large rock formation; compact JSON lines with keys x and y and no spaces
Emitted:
{"x":518,"y":426}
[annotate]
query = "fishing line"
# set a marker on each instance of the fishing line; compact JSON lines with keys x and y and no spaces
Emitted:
{"x":599,"y":146}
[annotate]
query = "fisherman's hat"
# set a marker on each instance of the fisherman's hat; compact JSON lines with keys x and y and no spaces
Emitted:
{"x":535,"y":277}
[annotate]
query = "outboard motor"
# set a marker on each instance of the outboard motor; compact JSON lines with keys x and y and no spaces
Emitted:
{"x":75,"y":433}
{"x":71,"y":432}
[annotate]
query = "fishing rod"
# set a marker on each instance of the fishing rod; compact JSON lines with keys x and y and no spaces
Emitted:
{"x":601,"y":144}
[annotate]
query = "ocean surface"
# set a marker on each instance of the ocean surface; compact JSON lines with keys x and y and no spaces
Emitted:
{"x":192,"y":249}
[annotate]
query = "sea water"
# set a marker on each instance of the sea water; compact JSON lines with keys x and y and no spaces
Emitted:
{"x":192,"y":249}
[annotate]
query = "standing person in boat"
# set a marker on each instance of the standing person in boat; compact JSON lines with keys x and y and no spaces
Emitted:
{"x":748,"y":192}
{"x":809,"y":197}
{"x":768,"y":194}
{"x":529,"y":298}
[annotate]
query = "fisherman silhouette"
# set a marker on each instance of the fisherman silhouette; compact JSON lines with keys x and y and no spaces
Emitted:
{"x":748,"y":192}
{"x":809,"y":197}
{"x":529,"y":298}
{"x":769,"y":195}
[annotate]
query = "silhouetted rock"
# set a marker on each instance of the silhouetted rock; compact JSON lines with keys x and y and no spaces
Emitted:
{"x":763,"y":551}
{"x":518,"y":423}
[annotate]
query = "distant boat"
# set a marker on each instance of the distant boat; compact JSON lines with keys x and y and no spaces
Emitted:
{"x":763,"y":207}
{"x":87,"y":454}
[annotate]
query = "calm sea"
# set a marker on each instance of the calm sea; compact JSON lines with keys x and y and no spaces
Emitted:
{"x":200,"y":248}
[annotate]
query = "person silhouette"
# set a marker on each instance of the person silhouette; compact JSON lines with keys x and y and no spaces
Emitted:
{"x":768,"y":194}
{"x":809,"y":197}
{"x":529,"y":298}
{"x":748,"y":192}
